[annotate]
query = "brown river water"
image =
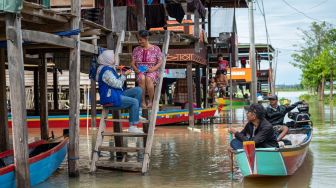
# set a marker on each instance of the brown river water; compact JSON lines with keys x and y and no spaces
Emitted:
{"x":184,"y":158}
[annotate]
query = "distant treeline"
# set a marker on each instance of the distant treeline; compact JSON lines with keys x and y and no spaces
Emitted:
{"x":285,"y":87}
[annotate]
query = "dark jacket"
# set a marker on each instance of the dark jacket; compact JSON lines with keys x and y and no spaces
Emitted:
{"x":264,"y":136}
{"x":276,"y":115}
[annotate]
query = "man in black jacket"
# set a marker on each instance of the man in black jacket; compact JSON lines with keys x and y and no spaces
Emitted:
{"x":258,"y":129}
{"x":275,"y":114}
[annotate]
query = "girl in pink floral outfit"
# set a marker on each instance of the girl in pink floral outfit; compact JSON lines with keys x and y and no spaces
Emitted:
{"x":146,"y":61}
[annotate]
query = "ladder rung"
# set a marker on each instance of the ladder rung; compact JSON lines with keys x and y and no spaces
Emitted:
{"x":124,"y":134}
{"x":124,"y":120}
{"x":120,"y":149}
{"x":126,"y":54}
{"x":109,"y":164}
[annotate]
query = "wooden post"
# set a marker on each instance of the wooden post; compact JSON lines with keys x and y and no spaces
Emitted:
{"x":55,"y":88}
{"x":109,"y":22}
{"x":117,"y":128}
{"x":18,"y":98}
{"x":36,"y":92}
{"x":140,"y":6}
{"x":93,"y":94}
{"x":197,"y":32}
{"x":186,"y":27}
{"x":205,"y":85}
{"x":43,"y":82}
{"x":198,"y":87}
{"x":190,"y":95}
{"x":74,"y":92}
{"x":4,"y":143}
{"x":209,"y":18}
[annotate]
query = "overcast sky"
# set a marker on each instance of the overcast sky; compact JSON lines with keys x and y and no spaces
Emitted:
{"x":283,"y":23}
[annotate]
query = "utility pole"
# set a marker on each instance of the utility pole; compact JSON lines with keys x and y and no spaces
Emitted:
{"x":252,"y":54}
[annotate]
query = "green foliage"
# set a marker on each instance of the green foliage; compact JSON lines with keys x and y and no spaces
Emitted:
{"x":316,"y":57}
{"x":313,"y":98}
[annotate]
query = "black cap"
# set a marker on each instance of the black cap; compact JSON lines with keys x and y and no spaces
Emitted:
{"x":273,"y":97}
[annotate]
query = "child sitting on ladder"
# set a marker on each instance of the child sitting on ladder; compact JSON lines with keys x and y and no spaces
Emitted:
{"x":111,"y":90}
{"x":221,"y":73}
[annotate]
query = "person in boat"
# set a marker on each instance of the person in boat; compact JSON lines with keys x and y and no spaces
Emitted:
{"x":221,"y":72}
{"x":275,"y":114}
{"x":258,"y":129}
{"x":111,"y":89}
{"x":146,"y":62}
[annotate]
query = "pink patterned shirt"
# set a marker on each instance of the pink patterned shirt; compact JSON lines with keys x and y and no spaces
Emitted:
{"x":148,"y":58}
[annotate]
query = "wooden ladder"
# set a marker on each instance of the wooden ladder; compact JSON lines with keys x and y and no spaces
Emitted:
{"x":142,"y":163}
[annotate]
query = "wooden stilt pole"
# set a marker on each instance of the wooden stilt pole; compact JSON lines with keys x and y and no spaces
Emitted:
{"x":197,"y":32}
{"x":43,"y":97}
{"x":18,"y":99}
{"x":209,"y":18}
{"x":109,"y":22}
{"x":206,"y":85}
{"x":190,"y":95}
{"x":55,"y":88}
{"x":93,"y":92}
{"x":140,"y":7}
{"x":36,"y":92}
{"x":74,"y":92}
{"x":4,"y":143}
{"x":198,"y":87}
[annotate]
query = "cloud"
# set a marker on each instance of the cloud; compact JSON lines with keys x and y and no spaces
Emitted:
{"x":283,"y":23}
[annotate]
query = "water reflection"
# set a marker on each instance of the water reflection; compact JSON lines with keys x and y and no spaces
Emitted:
{"x":184,"y":158}
{"x":331,"y":111}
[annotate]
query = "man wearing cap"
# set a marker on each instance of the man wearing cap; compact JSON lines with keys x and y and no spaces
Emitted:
{"x":258,"y":129}
{"x":275,"y":114}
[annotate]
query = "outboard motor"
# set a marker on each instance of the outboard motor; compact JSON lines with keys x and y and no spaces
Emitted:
{"x":302,"y":117}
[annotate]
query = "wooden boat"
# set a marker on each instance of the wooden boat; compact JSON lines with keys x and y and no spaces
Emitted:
{"x":163,"y":118}
{"x":281,"y":161}
{"x":44,"y":158}
{"x":224,"y":103}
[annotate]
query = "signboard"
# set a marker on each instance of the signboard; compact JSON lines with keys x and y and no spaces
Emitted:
{"x":67,"y":3}
{"x":175,"y":73}
{"x":241,"y":74}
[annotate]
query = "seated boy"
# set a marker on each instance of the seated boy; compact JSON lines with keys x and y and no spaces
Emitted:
{"x":221,"y":71}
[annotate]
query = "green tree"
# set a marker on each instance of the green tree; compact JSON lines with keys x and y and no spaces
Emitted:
{"x":314,"y":57}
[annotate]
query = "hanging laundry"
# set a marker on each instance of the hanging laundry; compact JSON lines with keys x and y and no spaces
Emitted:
{"x":130,"y":2}
{"x":117,"y":3}
{"x":132,"y":24}
{"x":155,"y":16}
{"x":176,"y":11}
{"x":149,"y":2}
{"x":193,"y":5}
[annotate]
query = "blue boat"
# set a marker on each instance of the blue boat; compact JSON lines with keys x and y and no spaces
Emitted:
{"x":44,"y":158}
